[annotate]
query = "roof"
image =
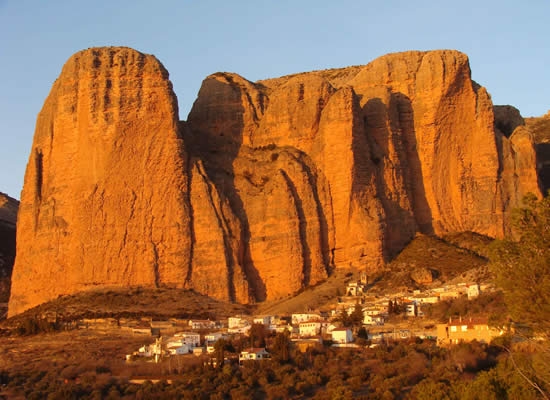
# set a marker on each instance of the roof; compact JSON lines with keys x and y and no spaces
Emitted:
{"x":469,"y":321}
{"x":341,"y":329}
{"x":254,"y":350}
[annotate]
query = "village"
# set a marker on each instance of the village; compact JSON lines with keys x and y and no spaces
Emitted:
{"x":356,"y":319}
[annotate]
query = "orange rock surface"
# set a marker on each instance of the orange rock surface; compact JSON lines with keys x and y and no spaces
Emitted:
{"x":267,"y":186}
{"x":105,"y":195}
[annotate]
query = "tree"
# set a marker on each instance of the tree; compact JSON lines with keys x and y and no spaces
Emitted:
{"x":356,"y":317}
{"x":363,"y":333}
{"x":257,"y":334}
{"x":344,"y":318}
{"x":281,"y":347}
{"x":219,"y":351}
{"x":522,"y":267}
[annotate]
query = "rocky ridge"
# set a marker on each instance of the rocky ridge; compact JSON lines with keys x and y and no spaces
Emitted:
{"x":267,"y":186}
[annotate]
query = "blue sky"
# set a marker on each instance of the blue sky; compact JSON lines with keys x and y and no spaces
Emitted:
{"x":507,"y":42}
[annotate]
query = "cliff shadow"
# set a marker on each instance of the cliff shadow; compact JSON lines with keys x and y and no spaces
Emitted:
{"x":215,"y":136}
{"x":543,"y":164}
{"x":390,"y":130}
{"x":313,"y":175}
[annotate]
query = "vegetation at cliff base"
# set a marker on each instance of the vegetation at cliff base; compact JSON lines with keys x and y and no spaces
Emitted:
{"x":413,"y":369}
{"x":522,"y":269}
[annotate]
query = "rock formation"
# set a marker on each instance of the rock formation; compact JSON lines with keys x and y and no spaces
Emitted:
{"x":267,"y":186}
{"x":8,"y":219}
{"x":105,"y":195}
{"x":507,"y":119}
{"x":540,"y":129}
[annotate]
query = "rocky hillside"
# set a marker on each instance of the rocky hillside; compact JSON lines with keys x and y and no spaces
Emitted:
{"x":268,"y":186}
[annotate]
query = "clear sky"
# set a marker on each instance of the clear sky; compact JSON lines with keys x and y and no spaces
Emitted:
{"x":508,"y":43}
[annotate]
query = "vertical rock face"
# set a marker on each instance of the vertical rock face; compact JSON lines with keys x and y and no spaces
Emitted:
{"x":540,"y":129}
{"x":8,"y":219}
{"x":404,"y":144}
{"x":268,"y":185}
{"x":104,"y":200}
{"x":440,"y":128}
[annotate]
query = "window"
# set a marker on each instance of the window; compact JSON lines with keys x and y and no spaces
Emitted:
{"x":453,"y":328}
{"x":464,"y":328}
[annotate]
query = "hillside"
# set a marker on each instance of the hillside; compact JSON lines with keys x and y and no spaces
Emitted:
{"x":458,"y":256}
{"x":431,"y":261}
{"x":133,"y":303}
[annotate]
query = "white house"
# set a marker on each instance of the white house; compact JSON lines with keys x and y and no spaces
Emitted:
{"x":355,"y":289}
{"x":309,"y":328}
{"x":266,"y":320}
{"x":191,"y":339}
{"x":174,"y":342}
{"x":253,"y":354}
{"x":373,"y":320}
{"x":410,"y":309}
{"x":240,"y":329}
{"x":202,"y":324}
{"x":473,"y":291}
{"x":151,"y":350}
{"x":449,"y":295}
{"x":303,"y":317}
{"x":281,"y":328}
{"x":145,"y":351}
{"x":184,"y":349}
{"x":213,"y":337}
{"x":342,"y":335}
{"x":236,"y":322}
{"x":372,"y":311}
{"x":430,"y":299}
{"x":177,"y":349}
{"x":198,"y":351}
{"x":329,"y":328}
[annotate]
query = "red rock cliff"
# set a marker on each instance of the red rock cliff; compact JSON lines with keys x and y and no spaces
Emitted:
{"x":267,"y":186}
{"x":104,"y":199}
{"x":8,"y":219}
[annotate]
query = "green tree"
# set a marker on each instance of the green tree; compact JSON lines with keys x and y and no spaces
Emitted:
{"x":363,"y":333}
{"x":281,"y":347}
{"x":219,"y":352}
{"x":356,"y":316}
{"x":344,"y":318}
{"x":257,"y":335}
{"x":429,"y":389}
{"x":522,"y":267}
